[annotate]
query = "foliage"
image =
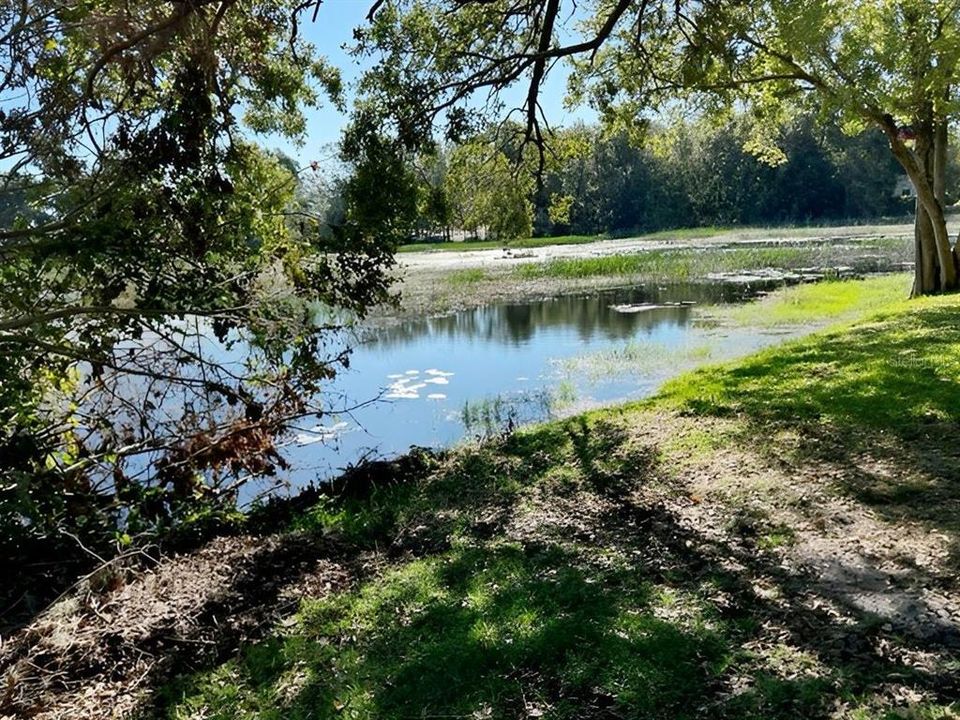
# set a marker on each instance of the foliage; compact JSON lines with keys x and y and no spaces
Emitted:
{"x":690,"y":174}
{"x":161,"y":284}
{"x":485,"y":192}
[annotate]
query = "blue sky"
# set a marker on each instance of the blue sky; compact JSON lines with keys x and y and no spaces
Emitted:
{"x":332,"y":30}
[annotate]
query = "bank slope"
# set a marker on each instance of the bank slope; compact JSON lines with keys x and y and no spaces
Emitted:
{"x":772,"y":538}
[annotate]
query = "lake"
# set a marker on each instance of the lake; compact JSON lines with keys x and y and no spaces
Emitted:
{"x":481,"y":371}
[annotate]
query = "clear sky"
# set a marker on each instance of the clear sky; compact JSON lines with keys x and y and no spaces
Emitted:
{"x":333,"y":30}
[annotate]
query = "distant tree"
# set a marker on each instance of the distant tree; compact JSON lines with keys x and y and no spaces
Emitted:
{"x":485,"y":192}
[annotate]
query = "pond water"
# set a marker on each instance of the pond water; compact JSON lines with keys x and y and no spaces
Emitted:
{"x":478,"y":372}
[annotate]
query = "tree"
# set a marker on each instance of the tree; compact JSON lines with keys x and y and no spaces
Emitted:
{"x":880,"y":64}
{"x":166,"y":306}
{"x":873,"y":63}
{"x":486,"y":193}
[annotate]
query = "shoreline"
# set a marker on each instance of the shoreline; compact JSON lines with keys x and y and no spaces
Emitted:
{"x":432,"y":283}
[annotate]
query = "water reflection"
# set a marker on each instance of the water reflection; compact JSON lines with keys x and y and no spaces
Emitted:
{"x":589,"y":316}
{"x":481,"y":371}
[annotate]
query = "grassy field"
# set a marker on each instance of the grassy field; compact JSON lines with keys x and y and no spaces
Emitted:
{"x":659,"y":560}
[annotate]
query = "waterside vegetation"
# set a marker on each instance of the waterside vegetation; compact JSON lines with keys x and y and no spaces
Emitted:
{"x":617,"y":563}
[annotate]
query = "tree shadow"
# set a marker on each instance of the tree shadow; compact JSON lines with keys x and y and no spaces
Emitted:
{"x":876,"y":408}
{"x":643,"y":617}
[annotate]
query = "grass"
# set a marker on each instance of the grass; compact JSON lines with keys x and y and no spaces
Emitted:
{"x":825,"y":301}
{"x":485,"y":625}
{"x":790,"y":309}
{"x":540,"y":575}
{"x":467,"y":277}
{"x":689,"y":263}
{"x":895,"y":370}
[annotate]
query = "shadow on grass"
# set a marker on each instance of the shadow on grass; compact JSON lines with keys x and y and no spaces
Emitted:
{"x":880,"y":403}
{"x":642,"y":617}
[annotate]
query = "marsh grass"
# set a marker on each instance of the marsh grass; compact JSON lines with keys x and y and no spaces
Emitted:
{"x":468,"y":276}
{"x":633,"y":356}
{"x":687,"y":264}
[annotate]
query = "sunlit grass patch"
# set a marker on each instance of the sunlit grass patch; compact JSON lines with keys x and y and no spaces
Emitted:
{"x":829,"y":300}
{"x":694,"y":443}
{"x":899,"y":367}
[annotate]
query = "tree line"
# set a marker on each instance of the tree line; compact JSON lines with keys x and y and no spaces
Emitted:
{"x":693,"y":173}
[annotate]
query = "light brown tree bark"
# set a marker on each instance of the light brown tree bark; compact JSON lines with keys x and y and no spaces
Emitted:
{"x":936,"y":264}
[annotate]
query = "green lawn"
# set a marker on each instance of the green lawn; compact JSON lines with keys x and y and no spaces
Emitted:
{"x":549,"y":574}
{"x":892,"y":372}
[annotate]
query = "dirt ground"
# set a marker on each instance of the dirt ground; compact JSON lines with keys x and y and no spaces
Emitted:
{"x":847,"y":587}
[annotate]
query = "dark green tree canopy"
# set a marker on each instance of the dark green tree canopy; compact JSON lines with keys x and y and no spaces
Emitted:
{"x":167,"y":304}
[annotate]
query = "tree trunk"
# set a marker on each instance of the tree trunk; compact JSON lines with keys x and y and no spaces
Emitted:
{"x":926,"y":273}
{"x":932,"y":152}
{"x":936,"y":266}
